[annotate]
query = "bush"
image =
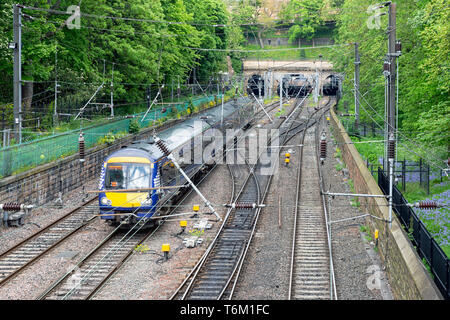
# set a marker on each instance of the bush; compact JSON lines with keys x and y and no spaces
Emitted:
{"x":134,"y":126}
{"x":108,"y":139}
{"x":111,"y":137}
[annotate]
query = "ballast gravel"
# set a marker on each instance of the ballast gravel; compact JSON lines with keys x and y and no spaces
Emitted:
{"x":147,"y":275}
{"x":55,"y":263}
{"x":265,"y":275}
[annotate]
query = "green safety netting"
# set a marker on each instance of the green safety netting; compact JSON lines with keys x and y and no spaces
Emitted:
{"x":30,"y":154}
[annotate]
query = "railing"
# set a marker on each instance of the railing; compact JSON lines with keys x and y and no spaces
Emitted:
{"x":425,"y":244}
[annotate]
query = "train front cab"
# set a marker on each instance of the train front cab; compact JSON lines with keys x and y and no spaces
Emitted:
{"x":128,"y":173}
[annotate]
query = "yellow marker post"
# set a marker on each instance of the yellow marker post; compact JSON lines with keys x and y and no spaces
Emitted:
{"x":196,"y":208}
{"x":376,"y":237}
{"x":286,"y":161}
{"x":183,"y":224}
{"x":166,"y":249}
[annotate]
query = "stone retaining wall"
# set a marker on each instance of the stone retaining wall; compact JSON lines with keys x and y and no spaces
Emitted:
{"x":407,"y":275}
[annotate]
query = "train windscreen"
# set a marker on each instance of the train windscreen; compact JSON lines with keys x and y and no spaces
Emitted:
{"x":127,"y":176}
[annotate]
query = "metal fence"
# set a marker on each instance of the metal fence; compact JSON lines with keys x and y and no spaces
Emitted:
{"x":426,"y":246}
{"x":21,"y":157}
{"x":363,"y":129}
{"x":407,"y":171}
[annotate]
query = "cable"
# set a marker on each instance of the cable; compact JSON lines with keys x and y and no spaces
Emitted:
{"x":266,"y":50}
{"x":82,"y":14}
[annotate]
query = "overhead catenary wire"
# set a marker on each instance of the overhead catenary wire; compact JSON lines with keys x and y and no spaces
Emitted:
{"x":407,"y":148}
{"x":89,"y":15}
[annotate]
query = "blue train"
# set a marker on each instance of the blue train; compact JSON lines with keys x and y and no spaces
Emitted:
{"x":143,"y":165}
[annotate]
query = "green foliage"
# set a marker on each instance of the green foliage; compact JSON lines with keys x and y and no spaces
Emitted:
{"x":306,"y":16}
{"x":110,"y":137}
{"x":363,"y":228}
{"x":414,"y":192}
{"x":196,"y":232}
{"x":209,"y":12}
{"x":280,"y":112}
{"x":293,"y":52}
{"x":137,"y":54}
{"x":424,"y":76}
{"x":134,"y":126}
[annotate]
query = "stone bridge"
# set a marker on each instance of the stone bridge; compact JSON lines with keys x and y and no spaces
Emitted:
{"x":273,"y":70}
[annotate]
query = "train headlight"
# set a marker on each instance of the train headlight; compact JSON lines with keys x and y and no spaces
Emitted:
{"x":105,"y":201}
{"x":147,"y":202}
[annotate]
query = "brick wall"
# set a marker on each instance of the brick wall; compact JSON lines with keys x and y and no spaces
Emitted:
{"x":407,"y":276}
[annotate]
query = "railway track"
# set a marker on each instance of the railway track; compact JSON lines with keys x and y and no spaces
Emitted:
{"x":16,"y":259}
{"x":96,"y":268}
{"x":93,"y":271}
{"x":83,"y":281}
{"x":311,"y":272}
{"x":216,"y":274}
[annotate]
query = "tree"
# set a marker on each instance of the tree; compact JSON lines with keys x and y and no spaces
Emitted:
{"x":305,"y":15}
{"x":153,"y":47}
{"x":424,"y":76}
{"x":207,"y":13}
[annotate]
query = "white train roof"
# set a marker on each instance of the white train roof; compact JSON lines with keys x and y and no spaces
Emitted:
{"x":182,"y":132}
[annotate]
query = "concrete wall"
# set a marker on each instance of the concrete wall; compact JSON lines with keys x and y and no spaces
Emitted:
{"x":407,"y":275}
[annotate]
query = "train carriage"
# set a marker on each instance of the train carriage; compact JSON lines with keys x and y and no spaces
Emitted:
{"x":142,"y":165}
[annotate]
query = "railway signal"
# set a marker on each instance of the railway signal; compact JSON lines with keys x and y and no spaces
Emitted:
{"x":323,"y":148}
{"x":183,"y":225}
{"x":81,"y":146}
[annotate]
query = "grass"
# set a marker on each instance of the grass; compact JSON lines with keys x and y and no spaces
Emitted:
{"x":415,"y":192}
{"x":293,"y":54}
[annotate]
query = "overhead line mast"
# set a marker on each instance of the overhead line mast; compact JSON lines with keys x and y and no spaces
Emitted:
{"x":391,"y":75}
{"x":17,"y":47}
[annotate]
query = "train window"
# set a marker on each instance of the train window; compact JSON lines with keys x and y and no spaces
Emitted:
{"x":127,"y":176}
